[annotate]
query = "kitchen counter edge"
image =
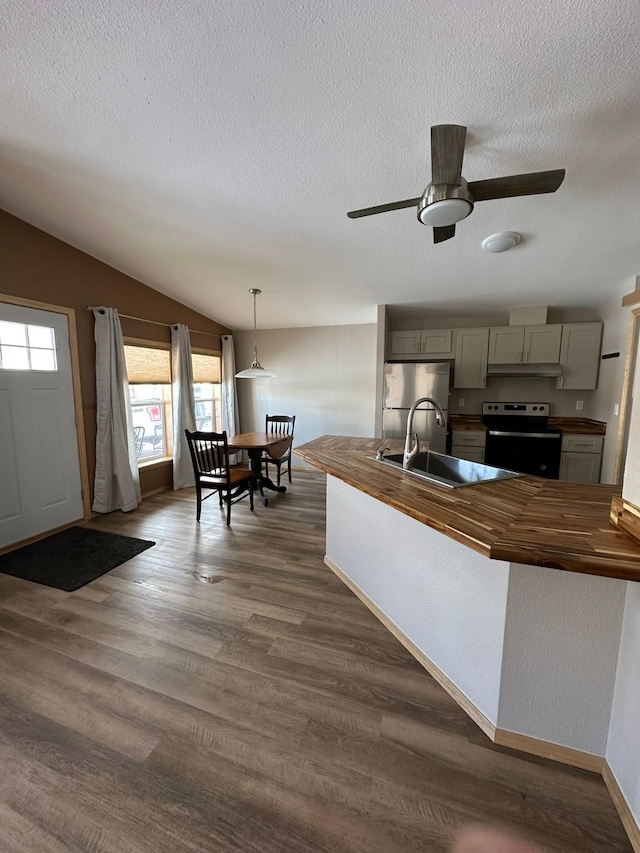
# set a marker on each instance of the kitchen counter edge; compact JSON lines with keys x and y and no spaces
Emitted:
{"x":548,"y":523}
{"x":566,"y":425}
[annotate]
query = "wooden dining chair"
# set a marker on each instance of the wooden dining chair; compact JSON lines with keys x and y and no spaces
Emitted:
{"x":283,"y":425}
{"x":212,"y":470}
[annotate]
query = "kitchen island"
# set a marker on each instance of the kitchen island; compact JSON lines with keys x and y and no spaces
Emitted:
{"x":510,"y":593}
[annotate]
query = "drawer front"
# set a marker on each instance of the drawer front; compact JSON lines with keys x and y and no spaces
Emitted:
{"x":473,"y":454}
{"x":582,"y":443}
{"x":468,"y":437}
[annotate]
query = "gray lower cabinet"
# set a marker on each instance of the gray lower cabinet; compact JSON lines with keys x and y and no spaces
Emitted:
{"x":473,"y":454}
{"x":581,"y":458}
{"x":468,"y":444}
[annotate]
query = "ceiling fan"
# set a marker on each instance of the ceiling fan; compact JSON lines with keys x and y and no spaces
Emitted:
{"x":449,"y":198}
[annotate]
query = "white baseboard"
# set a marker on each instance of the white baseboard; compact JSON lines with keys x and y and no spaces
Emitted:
{"x":622,"y":807}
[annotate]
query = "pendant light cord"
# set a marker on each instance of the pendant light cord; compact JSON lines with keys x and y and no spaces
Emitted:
{"x":256,"y":370}
{"x":255,"y":330}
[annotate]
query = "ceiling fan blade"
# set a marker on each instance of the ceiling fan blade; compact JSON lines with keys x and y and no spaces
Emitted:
{"x":514,"y":185}
{"x":383,"y":208}
{"x":447,"y":151}
{"x":444,"y":232}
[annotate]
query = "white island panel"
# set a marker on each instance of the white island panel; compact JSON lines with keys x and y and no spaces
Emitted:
{"x":447,"y":599}
{"x":560,"y":654}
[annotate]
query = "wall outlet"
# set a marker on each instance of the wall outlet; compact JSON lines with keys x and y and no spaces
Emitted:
{"x":579,"y":405}
{"x":461,"y":402}
{"x":616,"y":409}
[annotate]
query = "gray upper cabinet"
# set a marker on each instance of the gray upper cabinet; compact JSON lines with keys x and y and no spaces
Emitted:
{"x":506,"y":344}
{"x":542,"y":344}
{"x":430,"y":343}
{"x":518,"y":344}
{"x":471,"y":358}
{"x":405,"y":343}
{"x":580,"y":356}
{"x":575,"y":346}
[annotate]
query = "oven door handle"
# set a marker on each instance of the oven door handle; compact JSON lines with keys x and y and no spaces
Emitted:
{"x":524,"y":434}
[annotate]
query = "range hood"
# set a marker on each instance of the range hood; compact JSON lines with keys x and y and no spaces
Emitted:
{"x":526,"y":369}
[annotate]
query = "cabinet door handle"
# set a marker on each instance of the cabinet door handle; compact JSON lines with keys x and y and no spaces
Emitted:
{"x":561,"y":382}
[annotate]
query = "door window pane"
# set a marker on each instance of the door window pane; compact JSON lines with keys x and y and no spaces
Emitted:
{"x":14,"y":358}
{"x":14,"y":334}
{"x":41,"y":337}
{"x":43,"y":359}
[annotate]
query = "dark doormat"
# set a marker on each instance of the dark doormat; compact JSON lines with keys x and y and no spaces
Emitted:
{"x":72,"y":558}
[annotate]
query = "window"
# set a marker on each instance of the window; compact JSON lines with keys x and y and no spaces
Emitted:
{"x":27,"y":347}
{"x":206,"y":390}
{"x":149,"y":373}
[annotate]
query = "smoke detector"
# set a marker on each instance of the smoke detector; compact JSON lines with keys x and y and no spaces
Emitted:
{"x":501,"y":242}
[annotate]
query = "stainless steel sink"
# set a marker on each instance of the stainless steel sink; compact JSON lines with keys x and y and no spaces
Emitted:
{"x":448,"y":471}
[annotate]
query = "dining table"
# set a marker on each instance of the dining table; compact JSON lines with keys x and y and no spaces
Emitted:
{"x":274,"y":444}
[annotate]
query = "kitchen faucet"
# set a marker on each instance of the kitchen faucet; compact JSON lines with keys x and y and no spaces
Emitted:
{"x":410,"y":452}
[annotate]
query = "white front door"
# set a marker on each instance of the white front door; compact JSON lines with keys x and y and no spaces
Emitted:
{"x":40,"y":486}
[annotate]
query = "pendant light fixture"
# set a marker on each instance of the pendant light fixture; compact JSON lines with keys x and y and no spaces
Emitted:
{"x":256,"y":371}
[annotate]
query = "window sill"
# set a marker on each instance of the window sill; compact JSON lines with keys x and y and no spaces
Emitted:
{"x":154,"y":461}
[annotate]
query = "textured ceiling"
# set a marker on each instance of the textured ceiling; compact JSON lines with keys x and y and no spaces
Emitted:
{"x":208,"y":147}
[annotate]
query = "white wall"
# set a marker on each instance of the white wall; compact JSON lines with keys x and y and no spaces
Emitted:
{"x":325,"y":376}
{"x":616,"y":321}
{"x":522,"y":390}
{"x":623,"y":747}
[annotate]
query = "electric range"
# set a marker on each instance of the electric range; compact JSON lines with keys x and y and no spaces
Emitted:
{"x":519,"y":438}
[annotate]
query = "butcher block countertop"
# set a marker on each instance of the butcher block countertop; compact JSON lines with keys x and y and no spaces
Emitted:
{"x":569,"y":426}
{"x":466,"y":422}
{"x":524,"y":520}
{"x":578,"y":426}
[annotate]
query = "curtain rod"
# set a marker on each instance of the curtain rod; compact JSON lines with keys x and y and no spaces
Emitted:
{"x":156,"y":323}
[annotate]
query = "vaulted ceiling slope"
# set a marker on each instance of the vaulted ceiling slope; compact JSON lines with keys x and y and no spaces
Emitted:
{"x":209,"y":147}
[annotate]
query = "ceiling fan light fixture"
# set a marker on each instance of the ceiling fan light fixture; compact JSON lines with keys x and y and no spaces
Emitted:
{"x":447,"y":211}
{"x":501,"y":242}
{"x":256,"y":371}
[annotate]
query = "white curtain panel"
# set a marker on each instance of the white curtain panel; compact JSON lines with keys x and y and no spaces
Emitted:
{"x":184,"y":405}
{"x":228,"y":393}
{"x":117,"y":484}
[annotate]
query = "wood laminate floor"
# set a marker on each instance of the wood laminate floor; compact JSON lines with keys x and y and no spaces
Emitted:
{"x":224,"y":691}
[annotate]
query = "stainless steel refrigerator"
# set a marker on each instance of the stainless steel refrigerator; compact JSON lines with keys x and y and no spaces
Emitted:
{"x":404,"y":383}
